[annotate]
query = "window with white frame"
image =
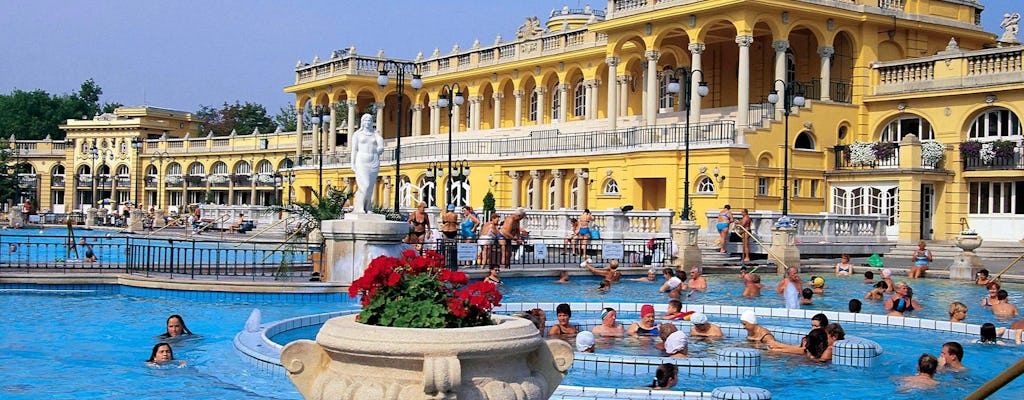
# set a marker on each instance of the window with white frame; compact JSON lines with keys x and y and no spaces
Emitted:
{"x":763,"y":184}
{"x":997,"y":123}
{"x":666,"y":99}
{"x":556,"y":100}
{"x":997,"y":197}
{"x":814,"y":188}
{"x":611,"y":187}
{"x":529,"y":194}
{"x":533,"y":105}
{"x":574,"y":193}
{"x":896,"y":129}
{"x":579,"y":99}
{"x":796,"y":188}
{"x":426,"y":188}
{"x":174,"y":169}
{"x":864,"y":200}
{"x":405,"y":192}
{"x":551,"y":194}
{"x":265,"y":167}
{"x":705,"y":185}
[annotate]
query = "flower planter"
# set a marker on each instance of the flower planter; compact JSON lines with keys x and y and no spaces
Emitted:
{"x":350,"y":360}
{"x":968,"y":242}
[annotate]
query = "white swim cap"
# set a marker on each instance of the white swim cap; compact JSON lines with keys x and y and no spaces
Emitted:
{"x":747,"y":316}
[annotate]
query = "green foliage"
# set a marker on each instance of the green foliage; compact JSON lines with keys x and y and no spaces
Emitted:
{"x":10,"y":185}
{"x":327,"y":207}
{"x":35,"y":114}
{"x":488,"y":205}
{"x":389,"y":213}
{"x":287,"y":118}
{"x":422,"y":305}
{"x":241,"y":118}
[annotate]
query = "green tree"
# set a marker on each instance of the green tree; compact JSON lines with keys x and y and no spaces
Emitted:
{"x":32,"y":115}
{"x":241,"y":118}
{"x":10,"y":185}
{"x":90,"y":93}
{"x":287,"y":118}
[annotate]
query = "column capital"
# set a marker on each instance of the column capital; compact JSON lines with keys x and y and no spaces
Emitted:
{"x":476,"y":99}
{"x":418,"y":107}
{"x":518,"y":93}
{"x":826,"y":51}
{"x":624,"y":78}
{"x":592,"y":82}
{"x":744,"y":40}
{"x":515,"y":175}
{"x":433,"y":105}
{"x":780,"y":46}
{"x":696,"y":48}
{"x":540,"y":90}
{"x":498,"y":96}
{"x":536,"y":174}
{"x":379,"y":105}
{"x":652,"y":55}
{"x":557,"y":173}
{"x":580,"y":172}
{"x":351,"y":103}
{"x":612,"y":61}
{"x":563,"y":87}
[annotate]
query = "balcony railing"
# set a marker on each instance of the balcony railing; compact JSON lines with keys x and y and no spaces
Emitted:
{"x":1011,"y":162}
{"x":842,"y":153}
{"x":57,"y":181}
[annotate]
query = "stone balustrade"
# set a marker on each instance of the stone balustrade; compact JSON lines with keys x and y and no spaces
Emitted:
{"x":949,"y":70}
{"x":814,"y":230}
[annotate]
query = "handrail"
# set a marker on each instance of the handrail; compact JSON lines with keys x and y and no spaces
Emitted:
{"x":284,"y":242}
{"x":964,"y":225}
{"x":203,"y":225}
{"x":254,"y":235}
{"x":768,"y":249}
{"x":158,"y":230}
{"x":1015,"y":261}
{"x":998,"y":381}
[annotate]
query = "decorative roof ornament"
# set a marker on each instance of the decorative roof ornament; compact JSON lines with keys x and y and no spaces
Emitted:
{"x":476,"y":44}
{"x":316,"y":59}
{"x":419,"y":56}
{"x":1010,"y":27}
{"x":530,"y":29}
{"x":455,"y":48}
{"x":497,"y":40}
{"x":352,"y":50}
{"x":298,"y":64}
{"x":380,"y":53}
{"x":436,"y":54}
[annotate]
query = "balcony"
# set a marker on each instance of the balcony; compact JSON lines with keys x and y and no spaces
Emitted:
{"x":1013,"y":161}
{"x":950,"y":70}
{"x":57,"y":181}
{"x":241,"y":180}
{"x":843,"y":161}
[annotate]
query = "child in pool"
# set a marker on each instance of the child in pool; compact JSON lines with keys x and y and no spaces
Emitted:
{"x":807,"y":293}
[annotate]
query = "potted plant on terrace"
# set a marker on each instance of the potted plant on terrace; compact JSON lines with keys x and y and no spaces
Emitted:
{"x":425,"y":332}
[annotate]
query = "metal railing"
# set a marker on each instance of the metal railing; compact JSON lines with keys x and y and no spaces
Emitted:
{"x":761,"y":111}
{"x":557,"y":254}
{"x":1008,"y":162}
{"x":842,"y":155}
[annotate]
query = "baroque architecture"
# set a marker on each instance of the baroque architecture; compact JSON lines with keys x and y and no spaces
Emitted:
{"x":912,"y":111}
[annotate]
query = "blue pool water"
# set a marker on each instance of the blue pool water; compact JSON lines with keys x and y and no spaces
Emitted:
{"x":93,"y":344}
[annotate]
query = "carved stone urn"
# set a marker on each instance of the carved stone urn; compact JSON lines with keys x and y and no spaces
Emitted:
{"x":966,"y":264}
{"x":350,"y":360}
{"x":968,"y":241}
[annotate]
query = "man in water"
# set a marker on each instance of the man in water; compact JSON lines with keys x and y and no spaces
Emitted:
{"x":790,"y":288}
{"x":367,"y":147}
{"x":951,"y":356}
{"x":926,"y":366}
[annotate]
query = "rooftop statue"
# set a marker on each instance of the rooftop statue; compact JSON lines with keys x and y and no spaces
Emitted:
{"x":367,"y":147}
{"x":1010,"y":27}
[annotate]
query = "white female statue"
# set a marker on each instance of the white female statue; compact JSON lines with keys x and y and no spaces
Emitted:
{"x":367,"y":147}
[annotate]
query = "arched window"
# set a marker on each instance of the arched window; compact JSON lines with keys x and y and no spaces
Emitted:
{"x":459,"y":191}
{"x":556,"y":100}
{"x":705,"y":185}
{"x":265,"y":167}
{"x":173,"y":169}
{"x":151,"y":170}
{"x":841,"y":134}
{"x":995,"y":123}
{"x":219,"y":168}
{"x":611,"y":187}
{"x":122,"y":170}
{"x":804,"y":141}
{"x":666,"y":99}
{"x":551,"y":194}
{"x":579,"y":98}
{"x":197,"y":169}
{"x":57,"y":170}
{"x":529,"y":194}
{"x":533,"y":106}
{"x":405,"y":192}
{"x":790,"y":65}
{"x":426,"y":187}
{"x":243,"y":168}
{"x":896,"y":129}
{"x":574,"y":192}
{"x":103,"y":170}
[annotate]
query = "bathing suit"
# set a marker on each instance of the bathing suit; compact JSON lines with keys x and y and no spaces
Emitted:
{"x":922,"y":259}
{"x":843,"y":269}
{"x":647,"y":332}
{"x":467,"y":229}
{"x":584,"y":232}
{"x":450,"y":234}
{"x":485,"y":240}
{"x":416,"y":224}
{"x":902,"y":305}
{"x":561,"y":332}
{"x":721,"y":225}
{"x":761,"y":340}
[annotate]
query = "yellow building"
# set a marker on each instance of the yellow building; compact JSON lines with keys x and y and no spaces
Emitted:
{"x":576,"y":112}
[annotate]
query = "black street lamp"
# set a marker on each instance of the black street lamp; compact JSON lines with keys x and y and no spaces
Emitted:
{"x":318,"y":121}
{"x":459,"y":175}
{"x":400,"y":69}
{"x":443,"y":102}
{"x":702,"y":90}
{"x":137,"y":145}
{"x":791,"y":96}
{"x":98,"y":155}
{"x":434,"y":173}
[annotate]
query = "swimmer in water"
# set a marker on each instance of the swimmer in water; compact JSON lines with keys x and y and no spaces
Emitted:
{"x":163,"y":355}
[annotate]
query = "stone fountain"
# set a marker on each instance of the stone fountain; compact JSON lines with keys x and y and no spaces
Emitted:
{"x":967,"y":264}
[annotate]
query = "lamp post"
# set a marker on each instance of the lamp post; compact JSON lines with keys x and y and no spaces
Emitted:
{"x":790,"y":97}
{"x":434,"y":172}
{"x":443,"y":102}
{"x":317,"y":120}
{"x":137,"y":145}
{"x":161,"y":157}
{"x":702,"y":90}
{"x":400,"y":69}
{"x":289,"y":177}
{"x":461,"y":173}
{"x":98,"y":155}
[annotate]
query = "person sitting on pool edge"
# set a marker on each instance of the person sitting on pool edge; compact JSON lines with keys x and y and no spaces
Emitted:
{"x":646,"y":326}
{"x":612,"y":273}
{"x":163,"y":355}
{"x":756,"y":333}
{"x":608,"y":325}
{"x":926,"y":366}
{"x":563,"y":328}
{"x":702,"y":328}
{"x":665,"y":377}
{"x":951,"y":357}
{"x":175,"y":328}
{"x":585,"y":342}
{"x":677,"y":345}
{"x":844,"y":268}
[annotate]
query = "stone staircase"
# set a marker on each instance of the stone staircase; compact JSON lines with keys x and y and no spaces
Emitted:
{"x":995,"y":255}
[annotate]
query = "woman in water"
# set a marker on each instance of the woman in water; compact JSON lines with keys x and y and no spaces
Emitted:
{"x":665,"y":377}
{"x":756,"y":333}
{"x":563,"y":328}
{"x":493,"y":276}
{"x":646,"y":325}
{"x":844,"y":268}
{"x":990,"y":335}
{"x":163,"y":355}
{"x":901,"y":302}
{"x":957,"y":311}
{"x":993,"y":295}
{"x":175,"y":328}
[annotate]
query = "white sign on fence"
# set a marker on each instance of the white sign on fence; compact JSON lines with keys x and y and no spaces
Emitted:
{"x":466,"y":252}
{"x":540,"y":251}
{"x":612,"y":251}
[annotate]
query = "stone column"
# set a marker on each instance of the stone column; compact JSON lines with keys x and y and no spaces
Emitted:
{"x":624,"y":81}
{"x":651,"y":95}
{"x":456,"y":116}
{"x":684,"y":234}
{"x":474,"y":109}
{"x":298,"y":136}
{"x":563,"y":97}
{"x":137,"y":216}
{"x":252,"y":189}
{"x":538,"y":189}
{"x":588,"y":100}
{"x":910,"y":152}
{"x":826,"y":53}
{"x":582,"y":184}
{"x":784,"y":247}
{"x":780,"y":47}
{"x":540,"y":104}
{"x":743,"y":87}
{"x":332,"y":134}
{"x":519,"y":108}
{"x":497,"y":110}
{"x":316,"y":129}
{"x":353,"y":115}
{"x":558,"y":176}
{"x":613,"y":92}
{"x":435,"y":119}
{"x":417,"y":120}
{"x":379,"y":120}
{"x":516,"y":188}
{"x":696,"y":49}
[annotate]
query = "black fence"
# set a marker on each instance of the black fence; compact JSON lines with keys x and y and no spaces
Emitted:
{"x":172,"y":258}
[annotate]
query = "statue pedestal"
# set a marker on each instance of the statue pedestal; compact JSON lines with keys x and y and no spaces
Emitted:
{"x":136,"y":220}
{"x":17,"y":218}
{"x":684,"y":234}
{"x":352,"y":242}
{"x":784,"y":247}
{"x":966,"y":264}
{"x":158,"y":219}
{"x":90,"y":217}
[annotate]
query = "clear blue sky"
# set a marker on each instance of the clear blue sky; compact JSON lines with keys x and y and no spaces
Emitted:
{"x":180,"y":54}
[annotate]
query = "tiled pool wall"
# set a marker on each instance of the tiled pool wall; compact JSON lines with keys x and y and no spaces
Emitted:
{"x":258,"y":348}
{"x":201,"y":295}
